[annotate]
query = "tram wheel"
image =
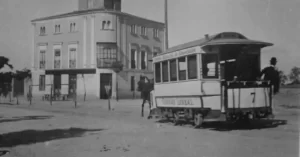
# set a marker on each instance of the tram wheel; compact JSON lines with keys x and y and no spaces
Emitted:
{"x":198,"y":120}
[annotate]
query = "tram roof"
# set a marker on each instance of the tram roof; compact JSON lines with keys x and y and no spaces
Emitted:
{"x":218,"y":39}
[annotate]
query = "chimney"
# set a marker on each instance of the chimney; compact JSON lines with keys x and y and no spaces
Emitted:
{"x":206,"y":36}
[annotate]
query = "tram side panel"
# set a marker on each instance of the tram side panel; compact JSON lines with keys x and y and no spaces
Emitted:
{"x":195,"y":95}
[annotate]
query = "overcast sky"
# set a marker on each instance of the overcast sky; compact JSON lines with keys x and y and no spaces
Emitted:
{"x":275,"y":21}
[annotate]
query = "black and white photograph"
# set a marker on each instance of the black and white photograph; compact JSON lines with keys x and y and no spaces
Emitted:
{"x":149,"y":78}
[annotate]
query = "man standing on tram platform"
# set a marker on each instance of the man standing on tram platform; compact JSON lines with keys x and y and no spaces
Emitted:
{"x":271,"y":73}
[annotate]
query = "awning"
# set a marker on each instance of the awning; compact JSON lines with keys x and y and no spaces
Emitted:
{"x":70,"y":71}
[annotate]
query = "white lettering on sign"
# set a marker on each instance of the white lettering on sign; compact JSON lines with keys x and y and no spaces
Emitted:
{"x":177,"y":54}
{"x":168,"y":101}
{"x":179,"y":102}
{"x":185,"y":102}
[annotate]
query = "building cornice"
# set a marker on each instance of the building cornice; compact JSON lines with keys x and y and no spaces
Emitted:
{"x":92,"y":11}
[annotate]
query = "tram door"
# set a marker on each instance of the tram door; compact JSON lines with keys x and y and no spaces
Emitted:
{"x":210,"y":84}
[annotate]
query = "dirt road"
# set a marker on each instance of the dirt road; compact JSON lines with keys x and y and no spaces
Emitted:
{"x":29,"y":132}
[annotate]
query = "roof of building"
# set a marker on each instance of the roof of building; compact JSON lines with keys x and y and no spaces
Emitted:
{"x":217,"y":40}
{"x":91,"y":11}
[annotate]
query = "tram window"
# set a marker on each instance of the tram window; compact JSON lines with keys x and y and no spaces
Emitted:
{"x":210,"y":66}
{"x":192,"y":67}
{"x":165,"y":71}
{"x":157,"y":73}
{"x":173,"y":70}
{"x":182,"y":68}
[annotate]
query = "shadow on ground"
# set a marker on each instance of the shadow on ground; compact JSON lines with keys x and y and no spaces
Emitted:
{"x":254,"y":125}
{"x":226,"y":126}
{"x":7,"y":103}
{"x":27,"y":137}
{"x":16,"y":119}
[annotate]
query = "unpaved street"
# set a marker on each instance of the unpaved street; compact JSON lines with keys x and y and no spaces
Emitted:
{"x":29,"y":132}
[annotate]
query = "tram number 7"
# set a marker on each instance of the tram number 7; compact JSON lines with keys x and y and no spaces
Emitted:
{"x":253,"y":97}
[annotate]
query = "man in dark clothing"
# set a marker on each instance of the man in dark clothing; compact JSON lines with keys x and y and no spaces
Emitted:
{"x":145,"y":87}
{"x":271,"y":74}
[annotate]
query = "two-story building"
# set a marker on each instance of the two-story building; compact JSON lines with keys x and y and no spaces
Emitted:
{"x":74,"y":52}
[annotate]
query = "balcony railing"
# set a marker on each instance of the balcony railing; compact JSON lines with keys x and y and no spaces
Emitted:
{"x":105,"y":63}
{"x":42,"y":64}
{"x":72,"y":64}
{"x":57,"y":64}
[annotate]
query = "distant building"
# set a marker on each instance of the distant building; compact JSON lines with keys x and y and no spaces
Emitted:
{"x":75,"y":51}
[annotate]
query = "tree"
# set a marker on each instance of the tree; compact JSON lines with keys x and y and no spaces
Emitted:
{"x":117,"y":66}
{"x":283,"y":77}
{"x":5,"y":61}
{"x":5,"y":78}
{"x":295,"y":75}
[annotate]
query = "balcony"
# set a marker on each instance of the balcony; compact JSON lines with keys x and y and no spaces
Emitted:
{"x":72,"y":63}
{"x":105,"y":63}
{"x":57,"y":64}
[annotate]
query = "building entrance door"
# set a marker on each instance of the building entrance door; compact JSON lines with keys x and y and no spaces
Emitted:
{"x":57,"y":84}
{"x":72,"y":84}
{"x":105,"y":79}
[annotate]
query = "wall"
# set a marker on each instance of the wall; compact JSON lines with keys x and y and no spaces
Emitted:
{"x":89,"y":33}
{"x":65,"y":37}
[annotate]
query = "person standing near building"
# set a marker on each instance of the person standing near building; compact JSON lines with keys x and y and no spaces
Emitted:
{"x":271,"y":74}
{"x":146,"y":87}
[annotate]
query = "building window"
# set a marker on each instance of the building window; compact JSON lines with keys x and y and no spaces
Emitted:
{"x":133,"y":59}
{"x":42,"y":83}
{"x":143,"y":31}
{"x":192,"y":66}
{"x":165,"y":71}
{"x":210,"y":66}
{"x":106,"y":55}
{"x":57,"y":55}
{"x":42,"y":59}
{"x":143,"y":60}
{"x":133,"y":29}
{"x":182,"y":67}
{"x":90,"y":4}
{"x":173,"y":70}
{"x":72,"y":57}
{"x":72,"y":27}
{"x":57,"y":28}
{"x":155,"y":33}
{"x":43,"y":30}
{"x":132,"y":83}
{"x":157,"y":73}
{"x":106,"y":25}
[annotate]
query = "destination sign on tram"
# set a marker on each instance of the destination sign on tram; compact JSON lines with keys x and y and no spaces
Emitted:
{"x":175,"y":54}
{"x":184,"y":101}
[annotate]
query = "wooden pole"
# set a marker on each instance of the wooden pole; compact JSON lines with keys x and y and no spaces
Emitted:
{"x":166,"y":25}
{"x":51,"y":95}
{"x":75,"y":96}
{"x":117,"y":86}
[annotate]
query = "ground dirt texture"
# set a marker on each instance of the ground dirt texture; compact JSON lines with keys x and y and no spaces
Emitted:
{"x":91,"y":130}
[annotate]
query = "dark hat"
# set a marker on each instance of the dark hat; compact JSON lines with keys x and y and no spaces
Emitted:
{"x":273,"y":59}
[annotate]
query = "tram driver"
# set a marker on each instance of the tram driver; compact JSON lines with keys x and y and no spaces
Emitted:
{"x":271,"y":74}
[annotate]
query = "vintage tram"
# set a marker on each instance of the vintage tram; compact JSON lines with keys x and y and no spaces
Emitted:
{"x":210,"y":78}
